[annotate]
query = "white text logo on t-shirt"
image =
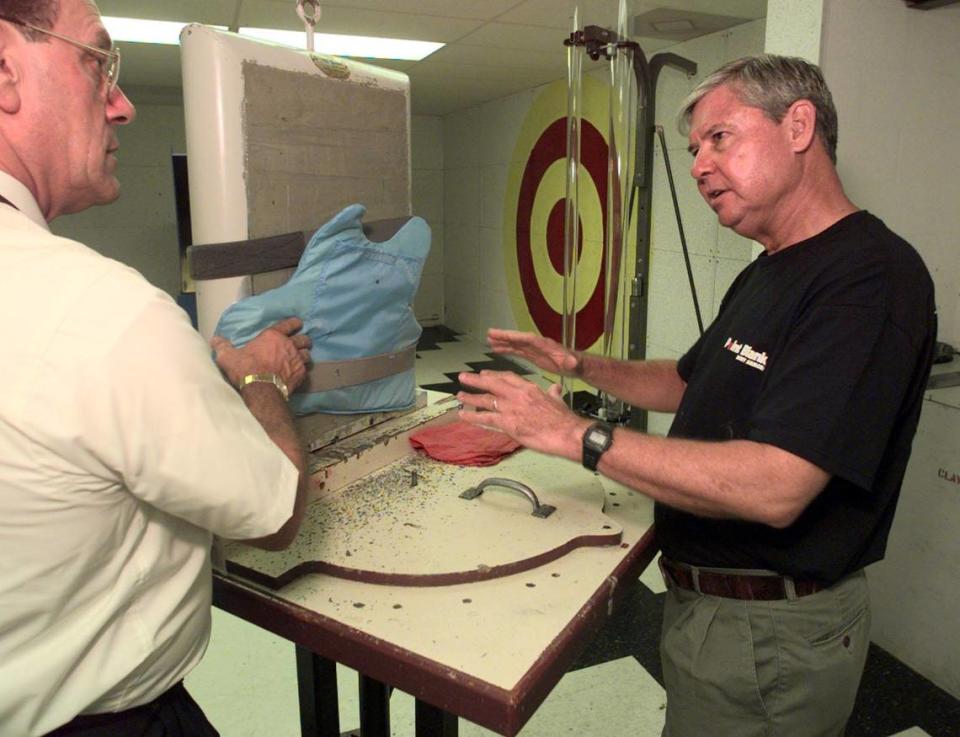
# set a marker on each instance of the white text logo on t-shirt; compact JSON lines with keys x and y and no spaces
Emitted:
{"x":746,"y":354}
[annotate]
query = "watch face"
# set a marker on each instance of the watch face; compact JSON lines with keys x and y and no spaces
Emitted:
{"x":596,"y":436}
{"x":596,"y":440}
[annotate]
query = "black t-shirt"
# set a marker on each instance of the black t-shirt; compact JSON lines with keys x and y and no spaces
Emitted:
{"x":822,"y":349}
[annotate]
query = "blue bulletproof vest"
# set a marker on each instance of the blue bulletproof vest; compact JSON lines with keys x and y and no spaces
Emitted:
{"x":355,"y":299}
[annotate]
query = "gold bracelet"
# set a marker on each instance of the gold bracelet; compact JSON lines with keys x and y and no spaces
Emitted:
{"x":267,"y":379}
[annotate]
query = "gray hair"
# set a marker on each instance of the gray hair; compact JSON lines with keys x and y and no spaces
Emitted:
{"x":40,"y":13}
{"x":772,"y":84}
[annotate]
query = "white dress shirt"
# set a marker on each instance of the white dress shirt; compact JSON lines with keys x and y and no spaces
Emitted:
{"x":121,"y":450}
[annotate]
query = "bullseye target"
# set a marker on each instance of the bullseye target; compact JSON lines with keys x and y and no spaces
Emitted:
{"x":534,"y":216}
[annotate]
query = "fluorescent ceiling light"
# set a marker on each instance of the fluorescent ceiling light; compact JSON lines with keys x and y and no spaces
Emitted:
{"x":369,"y":47}
{"x":138,"y":30}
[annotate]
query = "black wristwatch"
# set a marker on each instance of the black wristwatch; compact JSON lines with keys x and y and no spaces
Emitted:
{"x":596,"y":441}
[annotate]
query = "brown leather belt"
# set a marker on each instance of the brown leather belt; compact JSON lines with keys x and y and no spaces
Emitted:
{"x":746,"y":586}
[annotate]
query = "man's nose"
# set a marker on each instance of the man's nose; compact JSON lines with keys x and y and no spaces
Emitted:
{"x":702,"y":163}
{"x":120,"y":110}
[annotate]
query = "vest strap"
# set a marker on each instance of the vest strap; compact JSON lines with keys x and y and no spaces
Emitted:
{"x":326,"y":375}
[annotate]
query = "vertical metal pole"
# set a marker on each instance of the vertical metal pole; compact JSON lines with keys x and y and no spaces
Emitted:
{"x":434,"y":722}
{"x":619,"y":189}
{"x":374,"y":708}
{"x":643,"y":188}
{"x":646,"y":116}
{"x":317,"y":689}
{"x":683,"y":238}
{"x":571,"y":229}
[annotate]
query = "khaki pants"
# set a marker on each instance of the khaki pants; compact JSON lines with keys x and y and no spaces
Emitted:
{"x":786,"y":668}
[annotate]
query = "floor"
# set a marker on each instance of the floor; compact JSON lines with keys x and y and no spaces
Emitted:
{"x":247,"y":681}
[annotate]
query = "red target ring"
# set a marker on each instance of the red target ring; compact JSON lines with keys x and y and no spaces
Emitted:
{"x":551,"y":146}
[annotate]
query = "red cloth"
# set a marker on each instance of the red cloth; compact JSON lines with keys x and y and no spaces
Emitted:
{"x":464,"y":444}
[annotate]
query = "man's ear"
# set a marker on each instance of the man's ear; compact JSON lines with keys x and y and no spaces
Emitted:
{"x":10,"y":65}
{"x":801,"y":121}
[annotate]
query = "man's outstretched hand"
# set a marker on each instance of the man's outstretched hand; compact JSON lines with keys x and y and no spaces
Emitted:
{"x":535,"y":418}
{"x":542,"y":352}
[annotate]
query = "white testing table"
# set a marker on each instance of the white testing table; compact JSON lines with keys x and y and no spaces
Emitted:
{"x":489,"y":650}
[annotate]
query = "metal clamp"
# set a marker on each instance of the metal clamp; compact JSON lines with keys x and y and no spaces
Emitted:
{"x":539,"y":510}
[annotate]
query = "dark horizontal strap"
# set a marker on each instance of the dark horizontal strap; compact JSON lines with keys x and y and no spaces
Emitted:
{"x":271,"y":253}
{"x":239,"y":258}
{"x":745,"y":586}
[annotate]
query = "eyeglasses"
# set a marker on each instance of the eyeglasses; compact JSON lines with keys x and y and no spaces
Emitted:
{"x":109,"y":61}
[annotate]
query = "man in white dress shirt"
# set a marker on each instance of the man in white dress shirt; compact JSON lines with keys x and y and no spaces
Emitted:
{"x":122,"y":447}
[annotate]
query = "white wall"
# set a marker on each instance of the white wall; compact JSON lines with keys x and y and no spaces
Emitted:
{"x":794,"y":28}
{"x":478,"y":146}
{"x":895,"y":77}
{"x":914,"y":590}
{"x":140,"y":229}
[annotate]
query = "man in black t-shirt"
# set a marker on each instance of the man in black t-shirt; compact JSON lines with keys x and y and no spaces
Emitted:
{"x":795,"y":412}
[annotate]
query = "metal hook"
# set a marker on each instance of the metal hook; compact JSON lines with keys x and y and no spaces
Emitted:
{"x":310,"y":18}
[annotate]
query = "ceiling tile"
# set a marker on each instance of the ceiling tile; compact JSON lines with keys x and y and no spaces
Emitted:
{"x":401,"y":65}
{"x":212,"y":12}
{"x":483,"y":56}
{"x":439,"y":97}
{"x":475,"y":9}
{"x":680,"y":25}
{"x":559,"y":13}
{"x":495,"y":47}
{"x":511,"y":35}
{"x":741,"y":8}
{"x":463,"y":73}
{"x":651,"y":45}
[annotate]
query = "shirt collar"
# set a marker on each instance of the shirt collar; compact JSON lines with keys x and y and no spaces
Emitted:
{"x":15,"y":191}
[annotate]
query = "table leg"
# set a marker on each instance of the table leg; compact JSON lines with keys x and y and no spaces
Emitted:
{"x":434,"y":722}
{"x":317,"y":687}
{"x":374,"y":708}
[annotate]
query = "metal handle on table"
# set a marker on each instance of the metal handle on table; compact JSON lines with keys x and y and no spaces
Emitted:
{"x":539,"y":510}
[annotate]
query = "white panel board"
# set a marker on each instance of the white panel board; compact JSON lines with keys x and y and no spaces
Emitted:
{"x":213,"y":87}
